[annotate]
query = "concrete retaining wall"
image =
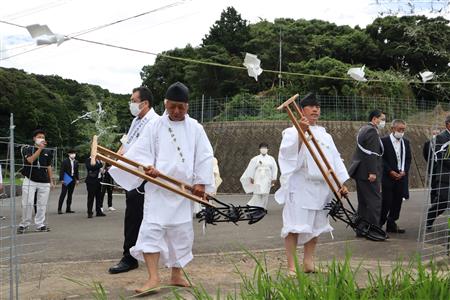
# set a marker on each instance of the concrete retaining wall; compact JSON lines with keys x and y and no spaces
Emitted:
{"x":235,"y":143}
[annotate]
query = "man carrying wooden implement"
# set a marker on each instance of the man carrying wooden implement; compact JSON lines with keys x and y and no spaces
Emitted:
{"x":304,"y":190}
{"x":177,"y":146}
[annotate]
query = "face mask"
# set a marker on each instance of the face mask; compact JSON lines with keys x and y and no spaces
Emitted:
{"x":72,"y":155}
{"x":134,"y":108}
{"x":381,"y":125}
{"x":398,"y":135}
{"x":39,"y":141}
{"x":263,"y":151}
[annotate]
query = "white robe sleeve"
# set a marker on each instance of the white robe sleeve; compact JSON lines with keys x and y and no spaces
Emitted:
{"x":249,"y":174}
{"x":216,"y":171}
{"x":338,"y":164}
{"x":287,"y":159}
{"x":289,"y":151}
{"x":203,"y":160}
{"x":274,"y":168}
{"x":142,"y":152}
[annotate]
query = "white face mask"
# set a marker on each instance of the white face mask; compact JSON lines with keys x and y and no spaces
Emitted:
{"x":72,"y":155}
{"x":134,"y":108}
{"x":398,"y":135}
{"x":263,"y":151}
{"x":39,"y":141}
{"x":381,"y":125}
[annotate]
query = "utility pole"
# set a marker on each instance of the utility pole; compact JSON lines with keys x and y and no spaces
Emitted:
{"x":279,"y":74}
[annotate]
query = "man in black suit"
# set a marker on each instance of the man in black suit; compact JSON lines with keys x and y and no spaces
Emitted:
{"x":396,"y":163}
{"x":367,"y":168}
{"x":428,"y":153}
{"x":69,"y":167}
{"x":94,"y":187}
{"x":141,"y":108}
{"x":441,"y":173}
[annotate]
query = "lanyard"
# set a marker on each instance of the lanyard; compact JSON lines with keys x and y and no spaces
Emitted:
{"x":366,"y":151}
{"x":137,"y":129}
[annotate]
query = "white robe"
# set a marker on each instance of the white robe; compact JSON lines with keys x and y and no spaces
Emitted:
{"x":262,"y":169}
{"x":178,"y":149}
{"x":303,"y":190}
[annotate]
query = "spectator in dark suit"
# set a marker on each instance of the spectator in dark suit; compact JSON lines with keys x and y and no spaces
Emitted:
{"x":396,"y":163}
{"x":429,"y":155}
{"x":93,"y":187}
{"x":366,"y":168}
{"x":69,"y":166}
{"x":107,"y":187}
{"x":441,"y":173}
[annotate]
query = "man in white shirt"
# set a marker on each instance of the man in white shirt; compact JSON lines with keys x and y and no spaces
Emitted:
{"x":141,"y":108}
{"x":396,"y":163}
{"x":175,"y":145}
{"x":260,"y":175}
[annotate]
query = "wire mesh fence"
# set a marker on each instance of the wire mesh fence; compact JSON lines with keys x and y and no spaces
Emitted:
{"x":333,"y":108}
{"x":16,"y":247}
{"x":435,"y":225}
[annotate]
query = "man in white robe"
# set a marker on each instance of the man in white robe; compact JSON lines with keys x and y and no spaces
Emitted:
{"x":175,"y":145}
{"x":260,"y":175}
{"x":304,"y":191}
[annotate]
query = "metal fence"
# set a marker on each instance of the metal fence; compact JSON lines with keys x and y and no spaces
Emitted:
{"x":333,"y":108}
{"x":15,"y":249}
{"x":435,"y":226}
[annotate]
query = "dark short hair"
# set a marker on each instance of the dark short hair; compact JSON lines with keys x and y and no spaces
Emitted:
{"x":71,"y":150}
{"x":144,"y":93}
{"x":376,"y":113}
{"x":38,"y":131}
{"x":447,"y":119}
{"x":262,"y":145}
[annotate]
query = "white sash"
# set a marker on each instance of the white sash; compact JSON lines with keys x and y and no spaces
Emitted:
{"x":402,"y":157}
{"x":366,"y":151}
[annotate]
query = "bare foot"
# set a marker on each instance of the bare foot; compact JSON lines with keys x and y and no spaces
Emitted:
{"x":292,"y":273}
{"x":179,"y":281}
{"x":308,"y":267}
{"x":150,"y":286}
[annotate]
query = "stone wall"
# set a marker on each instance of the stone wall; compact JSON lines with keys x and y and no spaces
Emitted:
{"x":235,"y":143}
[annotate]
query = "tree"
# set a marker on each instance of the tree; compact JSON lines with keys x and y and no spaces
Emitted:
{"x":230,"y":32}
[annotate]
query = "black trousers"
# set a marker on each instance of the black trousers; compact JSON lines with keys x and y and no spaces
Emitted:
{"x":66,"y":189}
{"x":134,"y":212}
{"x":369,"y":200}
{"x":94,"y":191}
{"x":440,"y":203}
{"x":107,"y":189}
{"x":392,"y":199}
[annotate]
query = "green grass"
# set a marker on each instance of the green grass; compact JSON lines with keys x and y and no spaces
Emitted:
{"x":337,"y":280}
{"x":6,"y":181}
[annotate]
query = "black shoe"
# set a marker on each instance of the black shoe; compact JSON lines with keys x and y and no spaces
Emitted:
{"x":43,"y":229}
{"x":100,"y":214}
{"x":393,"y":228}
{"x":21,"y":229}
{"x":122,"y":267}
{"x":60,"y":212}
{"x":89,"y":215}
{"x":69,"y":211}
